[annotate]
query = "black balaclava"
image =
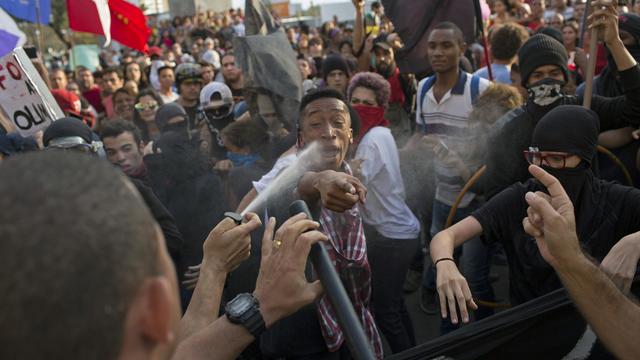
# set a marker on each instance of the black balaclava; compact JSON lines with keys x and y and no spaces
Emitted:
{"x":608,"y":84}
{"x":166,"y":112}
{"x":182,"y":159}
{"x":574,"y":130}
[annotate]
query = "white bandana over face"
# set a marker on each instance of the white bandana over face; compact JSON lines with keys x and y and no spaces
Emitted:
{"x":546,"y":92}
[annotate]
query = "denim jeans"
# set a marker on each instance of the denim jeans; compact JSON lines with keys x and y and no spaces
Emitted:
{"x":474,"y":259}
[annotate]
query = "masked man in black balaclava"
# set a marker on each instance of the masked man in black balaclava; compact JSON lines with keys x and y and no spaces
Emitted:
{"x":182,"y":178}
{"x":543,"y":67}
{"x":564,"y":144}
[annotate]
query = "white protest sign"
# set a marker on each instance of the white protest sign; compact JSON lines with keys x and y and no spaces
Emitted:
{"x":24,"y":96}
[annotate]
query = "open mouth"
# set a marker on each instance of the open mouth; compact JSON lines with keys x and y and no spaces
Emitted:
{"x":330,"y":151}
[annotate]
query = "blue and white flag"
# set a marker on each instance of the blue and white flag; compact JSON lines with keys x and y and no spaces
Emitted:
{"x":11,"y":36}
{"x":26,"y":9}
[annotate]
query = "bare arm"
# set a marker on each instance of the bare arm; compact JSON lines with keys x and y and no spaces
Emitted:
{"x":606,"y":19}
{"x":445,"y":241}
{"x":551,"y":221}
{"x":220,"y":340}
{"x":452,"y":286}
{"x":281,"y":289}
{"x":621,"y":262}
{"x":364,"y":60}
{"x":225,"y":248}
{"x":358,"y":31}
{"x":613,"y":316}
{"x":613,"y":139}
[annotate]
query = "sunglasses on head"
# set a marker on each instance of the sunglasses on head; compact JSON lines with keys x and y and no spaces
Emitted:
{"x":143,"y":107}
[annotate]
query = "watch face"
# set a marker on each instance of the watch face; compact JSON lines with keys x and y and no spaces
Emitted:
{"x":241,"y":304}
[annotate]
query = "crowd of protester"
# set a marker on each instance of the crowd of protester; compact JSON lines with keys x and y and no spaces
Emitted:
{"x":396,"y":152}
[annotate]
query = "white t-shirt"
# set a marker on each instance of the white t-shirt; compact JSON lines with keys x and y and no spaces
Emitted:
{"x":385,"y":207}
{"x":282,"y":163}
{"x":169,"y":98}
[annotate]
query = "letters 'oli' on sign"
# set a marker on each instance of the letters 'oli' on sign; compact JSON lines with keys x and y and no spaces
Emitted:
{"x":24,"y":96}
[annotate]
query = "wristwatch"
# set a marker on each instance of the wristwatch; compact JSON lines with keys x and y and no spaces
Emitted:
{"x":244,"y":310}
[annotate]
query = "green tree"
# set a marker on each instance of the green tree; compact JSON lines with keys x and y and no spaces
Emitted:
{"x":60,"y":21}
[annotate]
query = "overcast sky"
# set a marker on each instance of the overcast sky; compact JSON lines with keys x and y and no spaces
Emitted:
{"x":305,"y":3}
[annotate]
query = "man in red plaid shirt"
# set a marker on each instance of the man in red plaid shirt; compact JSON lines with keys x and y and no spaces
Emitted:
{"x":333,"y":192}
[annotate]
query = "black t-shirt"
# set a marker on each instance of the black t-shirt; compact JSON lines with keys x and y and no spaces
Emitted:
{"x":616,"y":213}
{"x":192,"y":113}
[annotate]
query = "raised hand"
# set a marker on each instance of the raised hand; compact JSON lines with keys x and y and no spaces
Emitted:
{"x":551,"y":220}
{"x":282,"y":287}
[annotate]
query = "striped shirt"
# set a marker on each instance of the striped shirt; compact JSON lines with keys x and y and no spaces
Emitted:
{"x":449,"y":121}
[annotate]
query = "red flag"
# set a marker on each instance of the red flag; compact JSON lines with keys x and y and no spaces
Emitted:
{"x":128,"y":23}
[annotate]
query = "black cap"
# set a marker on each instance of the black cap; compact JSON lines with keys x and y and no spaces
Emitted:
{"x":334,"y":62}
{"x":568,"y":128}
{"x":381,"y":42}
{"x":551,"y":31}
{"x":541,"y":50}
{"x":66,"y":128}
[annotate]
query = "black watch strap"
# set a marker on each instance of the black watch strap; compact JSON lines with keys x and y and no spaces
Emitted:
{"x":249,"y":317}
{"x":255,"y":324}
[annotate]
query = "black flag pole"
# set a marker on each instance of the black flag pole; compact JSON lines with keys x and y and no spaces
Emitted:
{"x":347,"y":318}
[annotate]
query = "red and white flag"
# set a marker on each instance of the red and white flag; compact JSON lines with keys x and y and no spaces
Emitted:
{"x":115,"y":19}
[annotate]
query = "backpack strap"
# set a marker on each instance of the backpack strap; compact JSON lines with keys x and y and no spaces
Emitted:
{"x":475,"y":88}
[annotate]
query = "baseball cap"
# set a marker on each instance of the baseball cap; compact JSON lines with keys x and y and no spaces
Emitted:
{"x":68,"y":101}
{"x":213,"y":88}
{"x":212,"y":57}
{"x":381,"y":42}
{"x":155,"y":51}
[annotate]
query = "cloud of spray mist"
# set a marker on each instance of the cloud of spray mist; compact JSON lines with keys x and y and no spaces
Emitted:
{"x":285,"y":180}
{"x":418,"y":167}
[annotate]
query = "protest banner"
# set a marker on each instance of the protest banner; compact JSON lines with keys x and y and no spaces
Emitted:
{"x":24,"y":97}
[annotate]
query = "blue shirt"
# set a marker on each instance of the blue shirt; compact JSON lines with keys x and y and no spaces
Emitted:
{"x":501,"y":73}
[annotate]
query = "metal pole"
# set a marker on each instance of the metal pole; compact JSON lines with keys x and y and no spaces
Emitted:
{"x":354,"y":334}
{"x":39,"y":29}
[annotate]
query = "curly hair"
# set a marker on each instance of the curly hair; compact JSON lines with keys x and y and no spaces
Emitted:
{"x":372,"y":81}
{"x":506,"y":40}
{"x":494,"y":102}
